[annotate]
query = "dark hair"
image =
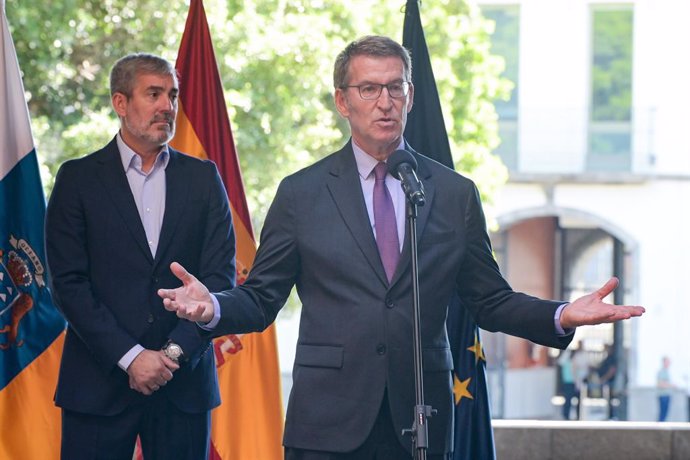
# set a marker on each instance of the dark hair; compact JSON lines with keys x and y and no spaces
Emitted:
{"x":127,"y":68}
{"x":370,"y":45}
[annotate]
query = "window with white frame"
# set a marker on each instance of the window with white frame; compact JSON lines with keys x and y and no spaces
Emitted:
{"x":610,"y":114}
{"x":505,"y":42}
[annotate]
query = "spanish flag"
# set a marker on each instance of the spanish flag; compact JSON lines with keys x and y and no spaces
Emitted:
{"x":31,"y":329}
{"x":249,"y":423}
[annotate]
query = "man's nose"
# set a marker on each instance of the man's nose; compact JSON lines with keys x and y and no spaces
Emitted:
{"x":167,"y":104}
{"x":385,"y":101}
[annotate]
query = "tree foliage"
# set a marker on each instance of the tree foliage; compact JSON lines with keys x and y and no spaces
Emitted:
{"x":275,"y":58}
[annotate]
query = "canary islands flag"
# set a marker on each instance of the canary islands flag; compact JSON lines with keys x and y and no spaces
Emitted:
{"x":30,"y":327}
{"x":249,"y":422}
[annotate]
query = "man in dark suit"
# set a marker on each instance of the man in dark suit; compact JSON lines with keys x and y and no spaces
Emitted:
{"x":327,"y":233}
{"x":115,"y":221}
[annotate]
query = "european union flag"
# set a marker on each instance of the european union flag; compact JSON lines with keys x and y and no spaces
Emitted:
{"x":426,"y":133}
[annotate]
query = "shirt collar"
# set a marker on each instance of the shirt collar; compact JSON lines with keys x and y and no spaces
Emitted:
{"x":365,"y":162}
{"x":130,"y":159}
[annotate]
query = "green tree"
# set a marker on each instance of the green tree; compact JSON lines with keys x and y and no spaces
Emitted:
{"x":65,"y":50}
{"x":275,"y":58}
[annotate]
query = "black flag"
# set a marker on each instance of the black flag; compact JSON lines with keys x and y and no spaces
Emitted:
{"x":425,"y":130}
{"x":426,"y":133}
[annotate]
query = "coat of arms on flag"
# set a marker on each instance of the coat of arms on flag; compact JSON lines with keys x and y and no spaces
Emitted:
{"x":20,"y":268}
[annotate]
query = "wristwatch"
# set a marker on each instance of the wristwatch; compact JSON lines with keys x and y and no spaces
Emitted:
{"x":173,"y":351}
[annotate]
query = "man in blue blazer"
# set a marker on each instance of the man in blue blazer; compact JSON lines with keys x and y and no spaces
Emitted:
{"x":115,"y":221}
{"x":353,"y":381}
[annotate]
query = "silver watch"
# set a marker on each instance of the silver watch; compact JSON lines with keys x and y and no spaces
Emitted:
{"x":173,"y":351}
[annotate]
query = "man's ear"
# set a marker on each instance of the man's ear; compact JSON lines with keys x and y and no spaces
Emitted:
{"x":410,"y":98}
{"x":119,"y":102}
{"x":341,"y":103}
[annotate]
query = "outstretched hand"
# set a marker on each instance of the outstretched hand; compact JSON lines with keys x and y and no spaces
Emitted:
{"x":190,"y":301}
{"x":591,"y":309}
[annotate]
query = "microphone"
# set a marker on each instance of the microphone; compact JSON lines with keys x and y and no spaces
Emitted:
{"x":402,"y":165}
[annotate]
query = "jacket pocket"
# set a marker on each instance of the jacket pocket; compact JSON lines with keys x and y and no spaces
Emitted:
{"x":437,"y":359}
{"x":319,"y":355}
{"x":435,"y":238}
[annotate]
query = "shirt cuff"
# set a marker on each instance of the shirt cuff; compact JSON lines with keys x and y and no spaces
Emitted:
{"x":127,"y":359}
{"x":557,"y":323}
{"x":211,"y":325}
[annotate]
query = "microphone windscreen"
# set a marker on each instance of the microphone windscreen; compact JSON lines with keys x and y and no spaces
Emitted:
{"x":399,"y":157}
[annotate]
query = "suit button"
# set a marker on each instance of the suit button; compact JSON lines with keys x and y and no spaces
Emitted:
{"x":389,"y":302}
{"x":381,"y":349}
{"x":155,"y":280}
{"x":150,"y":318}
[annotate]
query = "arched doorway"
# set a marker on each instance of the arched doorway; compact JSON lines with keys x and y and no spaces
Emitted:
{"x":562,"y":254}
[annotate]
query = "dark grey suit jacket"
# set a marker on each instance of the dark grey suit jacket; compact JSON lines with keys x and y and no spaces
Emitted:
{"x":104,"y":278}
{"x":355,"y":337}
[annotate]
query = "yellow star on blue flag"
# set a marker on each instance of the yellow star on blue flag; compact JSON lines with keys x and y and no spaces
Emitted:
{"x":460,"y":389}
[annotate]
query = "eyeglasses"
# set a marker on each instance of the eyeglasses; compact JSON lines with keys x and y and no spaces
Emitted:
{"x":370,"y":91}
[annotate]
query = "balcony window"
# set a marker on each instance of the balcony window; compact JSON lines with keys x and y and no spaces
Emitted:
{"x":610,"y":123}
{"x":505,"y":42}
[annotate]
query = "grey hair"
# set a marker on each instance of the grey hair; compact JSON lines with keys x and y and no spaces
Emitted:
{"x":127,"y":68}
{"x":370,"y":45}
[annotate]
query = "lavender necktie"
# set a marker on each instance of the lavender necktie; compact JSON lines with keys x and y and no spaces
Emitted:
{"x":385,"y":223}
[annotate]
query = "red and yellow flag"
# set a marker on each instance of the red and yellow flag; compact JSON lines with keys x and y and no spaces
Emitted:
{"x":249,"y":422}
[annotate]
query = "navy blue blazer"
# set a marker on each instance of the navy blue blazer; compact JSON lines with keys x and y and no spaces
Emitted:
{"x":104,"y":278}
{"x":355,"y":341}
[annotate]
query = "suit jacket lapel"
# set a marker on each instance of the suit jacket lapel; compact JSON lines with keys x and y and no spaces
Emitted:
{"x":112,"y":175}
{"x":424,"y":175}
{"x":344,"y":185}
{"x":176,"y":196}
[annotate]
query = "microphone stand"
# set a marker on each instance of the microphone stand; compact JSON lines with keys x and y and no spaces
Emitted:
{"x":419,"y":430}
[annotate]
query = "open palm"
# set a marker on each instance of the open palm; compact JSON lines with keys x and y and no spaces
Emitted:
{"x":591,"y":309}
